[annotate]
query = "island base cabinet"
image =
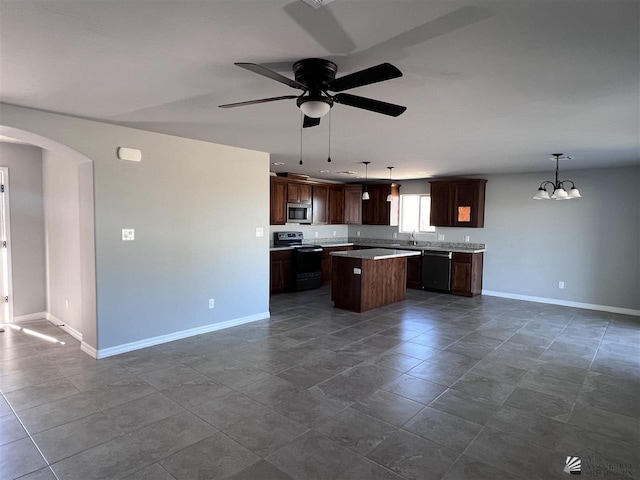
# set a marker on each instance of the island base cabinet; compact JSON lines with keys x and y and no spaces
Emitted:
{"x":466,"y":274}
{"x":360,"y":285}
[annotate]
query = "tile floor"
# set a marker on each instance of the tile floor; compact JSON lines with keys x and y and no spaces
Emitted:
{"x":436,"y":387}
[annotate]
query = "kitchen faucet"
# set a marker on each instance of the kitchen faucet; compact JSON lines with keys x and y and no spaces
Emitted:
{"x":413,"y":238}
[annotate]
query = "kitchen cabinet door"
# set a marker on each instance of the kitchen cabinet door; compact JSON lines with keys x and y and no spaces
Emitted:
{"x":466,"y":274}
{"x":281,"y":271}
{"x":320,"y":204}
{"x":441,"y":204}
{"x":278,"y":202}
{"x":468,"y":204}
{"x":353,"y":204}
{"x":298,"y":193}
{"x":336,"y":204}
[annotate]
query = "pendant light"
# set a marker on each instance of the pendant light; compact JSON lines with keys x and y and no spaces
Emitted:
{"x":365,"y":194}
{"x":558,"y":193}
{"x":329,"y":154}
{"x":389,"y":197}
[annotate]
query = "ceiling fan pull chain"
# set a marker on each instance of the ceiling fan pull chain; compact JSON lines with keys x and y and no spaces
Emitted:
{"x":329,"y":155}
{"x":301,"y":124}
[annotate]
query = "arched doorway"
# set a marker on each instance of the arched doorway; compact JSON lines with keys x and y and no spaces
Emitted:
{"x":69,"y":236}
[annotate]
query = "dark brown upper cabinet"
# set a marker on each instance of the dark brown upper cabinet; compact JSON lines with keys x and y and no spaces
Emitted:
{"x":458,"y":202}
{"x":320,"y":204}
{"x":353,"y":204}
{"x":278,"y":204}
{"x":298,"y":193}
{"x":376,"y":210}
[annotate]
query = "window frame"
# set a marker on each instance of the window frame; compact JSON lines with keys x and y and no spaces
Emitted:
{"x":420,"y":196}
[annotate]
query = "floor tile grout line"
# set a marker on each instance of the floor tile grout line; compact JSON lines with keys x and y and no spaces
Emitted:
{"x":29,"y":434}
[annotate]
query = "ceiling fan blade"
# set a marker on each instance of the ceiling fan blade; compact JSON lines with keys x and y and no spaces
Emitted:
{"x":379,"y":73}
{"x":322,"y":26}
{"x":253,"y":102}
{"x":310,"y":122}
{"x":394,"y":48}
{"x":265,"y":72}
{"x":369,"y":104}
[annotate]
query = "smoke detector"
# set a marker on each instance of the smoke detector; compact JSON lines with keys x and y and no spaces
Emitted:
{"x":317,"y":3}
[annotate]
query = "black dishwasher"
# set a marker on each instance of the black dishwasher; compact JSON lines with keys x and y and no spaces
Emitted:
{"x":436,"y":271}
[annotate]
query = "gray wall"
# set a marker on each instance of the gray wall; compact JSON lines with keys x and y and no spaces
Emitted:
{"x":590,"y":243}
{"x":62,"y":232}
{"x":195,"y":207}
{"x":27,"y":227}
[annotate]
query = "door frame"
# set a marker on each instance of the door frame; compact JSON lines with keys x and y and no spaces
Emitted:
{"x":5,"y":216}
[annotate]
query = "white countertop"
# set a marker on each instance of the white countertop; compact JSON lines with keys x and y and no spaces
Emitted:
{"x":376,"y":253}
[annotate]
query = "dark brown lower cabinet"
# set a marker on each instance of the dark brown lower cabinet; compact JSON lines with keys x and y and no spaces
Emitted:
{"x":414,"y":272}
{"x":466,"y":274}
{"x":281,"y":271}
{"x":327,"y":263}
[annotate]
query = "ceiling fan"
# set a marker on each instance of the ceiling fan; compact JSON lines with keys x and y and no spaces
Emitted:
{"x":316,"y":78}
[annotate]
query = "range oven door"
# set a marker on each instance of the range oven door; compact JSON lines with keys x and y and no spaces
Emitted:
{"x":307,"y":268}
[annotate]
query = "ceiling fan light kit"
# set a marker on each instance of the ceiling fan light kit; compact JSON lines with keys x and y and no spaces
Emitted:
{"x":558,"y":191}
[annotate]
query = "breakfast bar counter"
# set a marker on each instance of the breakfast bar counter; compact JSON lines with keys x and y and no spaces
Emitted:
{"x":362,"y":280}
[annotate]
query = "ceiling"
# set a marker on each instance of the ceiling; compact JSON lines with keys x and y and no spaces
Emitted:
{"x":490,"y":86}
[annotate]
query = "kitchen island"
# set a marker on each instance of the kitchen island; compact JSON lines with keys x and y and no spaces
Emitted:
{"x":362,"y":280}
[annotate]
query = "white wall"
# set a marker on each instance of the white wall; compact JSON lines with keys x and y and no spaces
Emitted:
{"x":590,"y":243}
{"x":27,"y":227}
{"x":195,"y":207}
{"x":60,"y":179}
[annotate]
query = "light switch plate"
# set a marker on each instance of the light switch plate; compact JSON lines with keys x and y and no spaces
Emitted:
{"x":357,"y":271}
{"x":128,"y":234}
{"x":259,"y":232}
{"x":441,"y":237}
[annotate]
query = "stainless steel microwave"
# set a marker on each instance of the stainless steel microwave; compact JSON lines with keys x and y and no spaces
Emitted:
{"x":299,"y":213}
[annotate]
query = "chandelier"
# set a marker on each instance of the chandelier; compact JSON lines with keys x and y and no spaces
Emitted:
{"x":558,"y":190}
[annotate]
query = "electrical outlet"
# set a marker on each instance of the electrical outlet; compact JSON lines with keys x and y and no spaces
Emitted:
{"x":334,"y":233}
{"x":316,"y":234}
{"x":466,"y":238}
{"x":212,"y":303}
{"x":560,"y":284}
{"x":259,"y":232}
{"x":66,"y":303}
{"x":358,"y":233}
{"x":441,"y":237}
{"x":395,"y":235}
{"x":128,"y":234}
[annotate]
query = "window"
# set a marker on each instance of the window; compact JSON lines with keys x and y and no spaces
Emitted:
{"x":414,"y":213}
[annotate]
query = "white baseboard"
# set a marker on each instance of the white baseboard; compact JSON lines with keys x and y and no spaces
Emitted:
{"x":89,"y":350}
{"x":29,"y":317}
{"x":67,"y":328}
{"x":564,"y":303}
{"x":149,"y":342}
